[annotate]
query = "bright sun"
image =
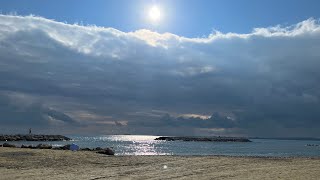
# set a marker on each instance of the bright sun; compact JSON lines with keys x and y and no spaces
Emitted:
{"x":154,"y":14}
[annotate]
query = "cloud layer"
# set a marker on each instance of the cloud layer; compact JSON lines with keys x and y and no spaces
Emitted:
{"x":264,"y":83}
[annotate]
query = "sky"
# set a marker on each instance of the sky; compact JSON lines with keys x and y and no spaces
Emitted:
{"x":230,"y":68}
{"x":192,"y":18}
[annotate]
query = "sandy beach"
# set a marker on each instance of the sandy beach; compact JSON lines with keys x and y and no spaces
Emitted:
{"x":16,"y":163}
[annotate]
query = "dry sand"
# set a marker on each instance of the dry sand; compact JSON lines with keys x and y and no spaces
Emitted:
{"x":35,"y":164}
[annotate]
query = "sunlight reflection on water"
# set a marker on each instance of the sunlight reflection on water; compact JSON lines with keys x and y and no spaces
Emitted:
{"x":135,"y":144}
{"x":138,"y":144}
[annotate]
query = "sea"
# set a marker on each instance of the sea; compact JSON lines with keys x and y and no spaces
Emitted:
{"x":146,"y":145}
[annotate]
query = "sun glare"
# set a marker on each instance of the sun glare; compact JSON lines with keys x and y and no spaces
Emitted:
{"x":154,"y":14}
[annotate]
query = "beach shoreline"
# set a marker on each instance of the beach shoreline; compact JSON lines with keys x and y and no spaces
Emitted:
{"x":17,"y":163}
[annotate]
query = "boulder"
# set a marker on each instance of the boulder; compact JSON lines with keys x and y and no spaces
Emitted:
{"x":24,"y":146}
{"x":85,"y":149}
{"x":106,"y":151}
{"x":44,"y":146}
{"x":98,"y":149}
{"x":8,"y":145}
{"x":28,"y":146}
{"x":65,"y":147}
{"x":57,"y":148}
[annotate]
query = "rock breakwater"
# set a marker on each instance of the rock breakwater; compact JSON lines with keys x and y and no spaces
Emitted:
{"x":213,"y":139}
{"x":33,"y":137}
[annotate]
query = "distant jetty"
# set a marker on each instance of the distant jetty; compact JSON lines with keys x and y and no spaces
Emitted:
{"x":205,"y":139}
{"x":33,"y":137}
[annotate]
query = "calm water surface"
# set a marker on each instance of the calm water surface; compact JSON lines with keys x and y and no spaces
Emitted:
{"x":146,"y":145}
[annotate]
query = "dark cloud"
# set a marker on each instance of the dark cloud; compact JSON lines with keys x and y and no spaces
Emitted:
{"x":27,"y":113}
{"x":214,"y":121}
{"x":255,"y":82}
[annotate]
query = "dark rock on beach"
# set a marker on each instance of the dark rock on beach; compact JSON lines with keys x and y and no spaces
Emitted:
{"x":24,"y":146}
{"x":29,"y":146}
{"x":65,"y":147}
{"x":8,"y":145}
{"x":44,"y":146}
{"x":208,"y":139}
{"x":39,"y":146}
{"x":98,"y":149}
{"x":106,"y":151}
{"x":33,"y":137}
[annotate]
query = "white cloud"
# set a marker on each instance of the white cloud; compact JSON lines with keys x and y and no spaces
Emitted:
{"x":204,"y":117}
{"x":100,"y":41}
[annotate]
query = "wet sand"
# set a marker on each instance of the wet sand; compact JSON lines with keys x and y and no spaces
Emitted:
{"x":16,"y":163}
